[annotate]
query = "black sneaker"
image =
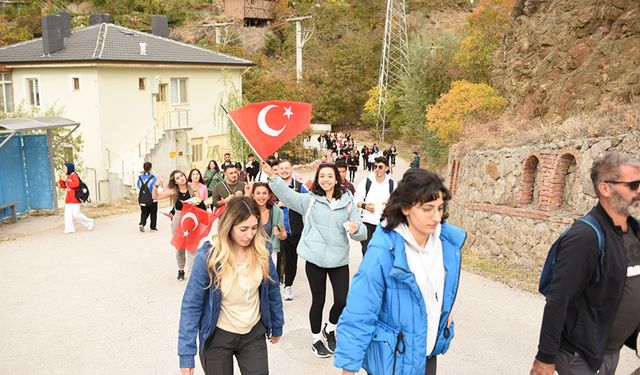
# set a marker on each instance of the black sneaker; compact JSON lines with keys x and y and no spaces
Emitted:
{"x":320,"y":350}
{"x":180,"y":275}
{"x":330,"y":337}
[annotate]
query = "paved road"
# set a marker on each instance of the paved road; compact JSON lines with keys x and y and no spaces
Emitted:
{"x":107,"y":302}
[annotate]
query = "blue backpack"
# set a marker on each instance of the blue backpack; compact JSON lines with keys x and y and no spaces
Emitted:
{"x":547,"y":270}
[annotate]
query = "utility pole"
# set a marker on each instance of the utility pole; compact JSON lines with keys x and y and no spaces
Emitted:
{"x":395,"y":61}
{"x":302,"y":36}
{"x":218,"y":27}
{"x":218,"y":30}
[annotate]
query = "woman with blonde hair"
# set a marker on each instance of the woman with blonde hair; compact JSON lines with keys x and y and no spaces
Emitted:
{"x":232,"y":301}
{"x":179,"y":192}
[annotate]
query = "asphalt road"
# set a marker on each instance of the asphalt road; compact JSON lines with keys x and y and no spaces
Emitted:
{"x":107,"y":302}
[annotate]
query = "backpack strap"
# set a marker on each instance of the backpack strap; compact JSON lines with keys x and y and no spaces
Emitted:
{"x":148,"y":179}
{"x":367,"y":186}
{"x":593,"y":223}
{"x":390,"y":186}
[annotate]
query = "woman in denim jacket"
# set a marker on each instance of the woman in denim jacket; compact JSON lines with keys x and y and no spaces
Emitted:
{"x":397,"y":319}
{"x":232,"y":302}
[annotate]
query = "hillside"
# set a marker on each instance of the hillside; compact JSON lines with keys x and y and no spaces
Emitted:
{"x":563,"y":57}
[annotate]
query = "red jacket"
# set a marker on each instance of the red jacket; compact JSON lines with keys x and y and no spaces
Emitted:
{"x":71,"y":185}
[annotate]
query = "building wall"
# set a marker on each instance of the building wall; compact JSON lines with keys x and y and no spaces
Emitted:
{"x":115,"y":115}
{"x":515,"y":202}
{"x":56,"y":92}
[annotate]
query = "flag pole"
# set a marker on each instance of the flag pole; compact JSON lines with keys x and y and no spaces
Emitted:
{"x":241,"y":133}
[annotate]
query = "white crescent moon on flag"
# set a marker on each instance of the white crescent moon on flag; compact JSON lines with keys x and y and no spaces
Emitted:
{"x":191,"y":215}
{"x":262,"y":122}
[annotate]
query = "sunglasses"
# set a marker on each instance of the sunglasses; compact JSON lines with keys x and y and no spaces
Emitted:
{"x":381,"y":166}
{"x":633,"y":185}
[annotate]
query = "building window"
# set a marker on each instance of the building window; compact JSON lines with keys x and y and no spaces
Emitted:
{"x":75,"y":83}
{"x":33,"y":92}
{"x":142,"y":83}
{"x":6,"y":93}
{"x":196,"y":152}
{"x":162,"y":93}
{"x":178,"y":90}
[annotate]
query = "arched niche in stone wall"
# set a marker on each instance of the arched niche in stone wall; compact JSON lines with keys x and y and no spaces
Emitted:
{"x":530,"y":181}
{"x":563,"y":181}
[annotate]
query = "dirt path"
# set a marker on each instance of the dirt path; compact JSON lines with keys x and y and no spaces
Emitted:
{"x":107,"y":302}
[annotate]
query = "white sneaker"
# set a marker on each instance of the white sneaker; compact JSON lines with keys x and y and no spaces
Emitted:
{"x":90,"y":226}
{"x":287,"y":293}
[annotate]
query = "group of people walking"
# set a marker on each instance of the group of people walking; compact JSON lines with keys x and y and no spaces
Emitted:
{"x":317,"y":225}
{"x":394,"y":316}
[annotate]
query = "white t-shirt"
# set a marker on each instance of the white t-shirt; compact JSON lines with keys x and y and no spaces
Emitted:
{"x":378,"y":195}
{"x":427,"y":265}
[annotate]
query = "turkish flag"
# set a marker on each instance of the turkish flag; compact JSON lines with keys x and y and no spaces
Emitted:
{"x":195,"y":224}
{"x":267,"y":126}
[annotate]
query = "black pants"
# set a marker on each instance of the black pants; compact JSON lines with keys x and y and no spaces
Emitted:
{"x":289,"y":250}
{"x":370,"y":229}
{"x":317,"y":277}
{"x":146,"y":211}
{"x":249,"y":349}
{"x":352,"y":174}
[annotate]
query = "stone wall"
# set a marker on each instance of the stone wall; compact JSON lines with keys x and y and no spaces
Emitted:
{"x":514,"y":202}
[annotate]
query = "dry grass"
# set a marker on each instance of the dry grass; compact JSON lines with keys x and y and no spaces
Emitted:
{"x":610,"y":119}
{"x":513,"y":276}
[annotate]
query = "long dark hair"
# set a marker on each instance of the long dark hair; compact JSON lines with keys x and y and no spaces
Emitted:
{"x":417,"y":186}
{"x":216,"y":168}
{"x":337,"y":191}
{"x":191,"y":173}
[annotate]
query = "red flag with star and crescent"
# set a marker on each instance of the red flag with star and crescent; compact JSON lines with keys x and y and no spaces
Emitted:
{"x":267,"y":126}
{"x":195,"y":223}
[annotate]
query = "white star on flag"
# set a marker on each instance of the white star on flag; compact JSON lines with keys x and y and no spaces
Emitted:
{"x":185,"y":233}
{"x":287,"y":112}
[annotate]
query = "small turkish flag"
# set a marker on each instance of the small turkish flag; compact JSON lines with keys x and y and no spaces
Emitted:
{"x":267,"y":126}
{"x":195,"y":224}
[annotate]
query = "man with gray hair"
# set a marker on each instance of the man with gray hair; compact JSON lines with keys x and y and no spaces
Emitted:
{"x":589,"y":316}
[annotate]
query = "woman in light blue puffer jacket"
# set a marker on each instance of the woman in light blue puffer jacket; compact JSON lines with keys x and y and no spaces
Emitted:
{"x":329,"y":214}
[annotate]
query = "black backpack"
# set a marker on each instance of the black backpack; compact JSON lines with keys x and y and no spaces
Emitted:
{"x":144,"y":196}
{"x":546,"y":276}
{"x":82,"y":192}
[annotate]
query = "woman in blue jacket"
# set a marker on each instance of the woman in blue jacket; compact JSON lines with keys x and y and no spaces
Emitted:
{"x":232,"y":301}
{"x":329,"y":215}
{"x":397,"y":319}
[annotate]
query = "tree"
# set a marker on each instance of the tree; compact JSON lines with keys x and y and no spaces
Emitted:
{"x":464,"y":102}
{"x":484,"y":31}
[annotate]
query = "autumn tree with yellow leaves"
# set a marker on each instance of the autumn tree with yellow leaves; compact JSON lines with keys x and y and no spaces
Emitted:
{"x":464,"y":102}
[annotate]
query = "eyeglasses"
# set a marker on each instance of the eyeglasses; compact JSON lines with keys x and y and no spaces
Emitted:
{"x":633,"y":185}
{"x":380,"y":166}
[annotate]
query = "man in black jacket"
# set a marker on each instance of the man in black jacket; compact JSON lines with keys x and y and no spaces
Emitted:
{"x":586,"y":322}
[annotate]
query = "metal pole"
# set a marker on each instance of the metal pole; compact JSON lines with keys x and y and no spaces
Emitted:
{"x":54,"y":193}
{"x":218,"y":34}
{"x":299,"y":50}
{"x":300,"y":40}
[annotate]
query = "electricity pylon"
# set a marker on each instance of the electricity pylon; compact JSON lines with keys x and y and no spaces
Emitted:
{"x":395,"y":61}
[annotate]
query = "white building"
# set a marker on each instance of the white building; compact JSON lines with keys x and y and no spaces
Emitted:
{"x":137,"y":96}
